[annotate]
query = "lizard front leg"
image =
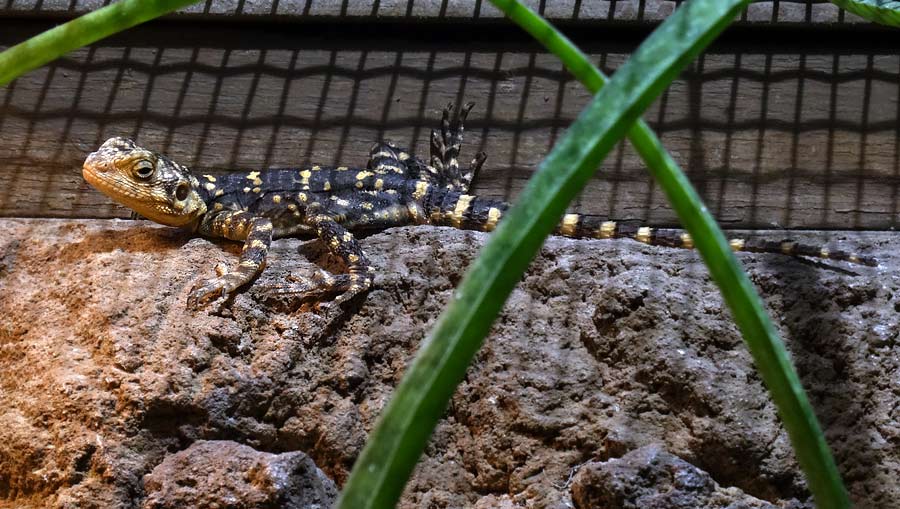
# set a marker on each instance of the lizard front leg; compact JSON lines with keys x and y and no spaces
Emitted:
{"x":255,"y":232}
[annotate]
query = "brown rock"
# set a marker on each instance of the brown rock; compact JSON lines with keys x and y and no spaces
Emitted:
{"x":605,"y":346}
{"x":227,"y":475}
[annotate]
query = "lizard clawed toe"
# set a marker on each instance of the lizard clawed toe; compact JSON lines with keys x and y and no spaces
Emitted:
{"x":205,"y":292}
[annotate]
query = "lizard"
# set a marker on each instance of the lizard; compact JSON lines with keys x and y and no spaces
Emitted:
{"x":394,"y":188}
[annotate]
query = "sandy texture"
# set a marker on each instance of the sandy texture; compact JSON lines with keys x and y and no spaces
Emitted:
{"x":605,"y":347}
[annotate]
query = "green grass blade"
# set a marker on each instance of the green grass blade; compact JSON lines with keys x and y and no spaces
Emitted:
{"x":885,"y":12}
{"x":81,"y":31}
{"x":404,"y":426}
{"x":766,"y":347}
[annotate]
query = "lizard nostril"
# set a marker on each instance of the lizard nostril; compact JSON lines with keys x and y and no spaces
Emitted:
{"x":94,"y":163}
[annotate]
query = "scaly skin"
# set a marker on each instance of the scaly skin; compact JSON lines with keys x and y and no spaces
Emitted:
{"x":396,"y":188}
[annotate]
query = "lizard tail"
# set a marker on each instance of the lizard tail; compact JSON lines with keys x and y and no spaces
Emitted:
{"x":452,"y":208}
{"x":581,"y":226}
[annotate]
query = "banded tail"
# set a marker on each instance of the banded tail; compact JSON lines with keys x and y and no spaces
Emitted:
{"x":451,"y":208}
{"x":580,"y":226}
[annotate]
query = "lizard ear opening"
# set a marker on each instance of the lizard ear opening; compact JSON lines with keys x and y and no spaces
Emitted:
{"x":181,"y":191}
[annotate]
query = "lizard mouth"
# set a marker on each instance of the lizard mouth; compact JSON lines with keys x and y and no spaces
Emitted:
{"x":91,"y":173}
{"x":96,"y":174}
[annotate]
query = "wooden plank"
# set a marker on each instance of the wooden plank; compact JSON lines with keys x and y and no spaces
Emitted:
{"x":578,"y":12}
{"x":794,"y":135}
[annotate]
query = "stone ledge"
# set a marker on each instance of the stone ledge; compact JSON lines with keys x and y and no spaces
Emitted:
{"x":604,"y":347}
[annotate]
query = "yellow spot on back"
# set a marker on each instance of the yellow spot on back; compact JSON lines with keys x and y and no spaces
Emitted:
{"x":219,"y":192}
{"x":258,"y":244}
{"x":462,"y":206}
{"x":352,"y":258}
{"x":363,"y":174}
{"x":347,"y":237}
{"x":246,"y":189}
{"x":643,"y":234}
{"x":327,"y":185}
{"x":256,"y":190}
{"x":253,"y":175}
{"x":379,"y":183}
{"x":276,"y":198}
{"x":209,"y":178}
{"x":218,"y":206}
{"x":304,"y":176}
{"x":569,"y":222}
{"x":421,"y":190}
{"x":302,"y":197}
{"x":607,"y":230}
{"x":341,"y":168}
{"x":210,"y":186}
{"x":292,"y":207}
{"x":366,"y":205}
{"x":494,"y":215}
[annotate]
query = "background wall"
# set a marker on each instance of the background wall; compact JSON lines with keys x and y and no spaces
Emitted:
{"x":790,"y":120}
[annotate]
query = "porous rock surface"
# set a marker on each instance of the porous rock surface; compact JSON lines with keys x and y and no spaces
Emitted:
{"x":227,"y":475}
{"x":651,"y":478}
{"x":107,"y":381}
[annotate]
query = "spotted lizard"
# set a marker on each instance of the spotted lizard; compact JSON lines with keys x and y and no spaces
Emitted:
{"x":395,"y":188}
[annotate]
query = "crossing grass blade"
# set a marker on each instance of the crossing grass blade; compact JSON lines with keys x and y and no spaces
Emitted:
{"x":81,"y":31}
{"x":884,"y":12}
{"x":402,"y":430}
{"x":772,"y":360}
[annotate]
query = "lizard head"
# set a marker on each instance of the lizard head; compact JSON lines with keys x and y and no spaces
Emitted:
{"x":146,"y":182}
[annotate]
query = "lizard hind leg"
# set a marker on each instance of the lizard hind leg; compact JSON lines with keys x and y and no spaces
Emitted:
{"x":323,"y":286}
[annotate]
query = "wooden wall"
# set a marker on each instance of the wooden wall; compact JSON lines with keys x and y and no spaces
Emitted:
{"x":777,"y":126}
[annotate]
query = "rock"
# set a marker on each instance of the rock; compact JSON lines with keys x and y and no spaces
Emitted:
{"x":651,"y":478}
{"x":604,"y":347}
{"x":227,"y":475}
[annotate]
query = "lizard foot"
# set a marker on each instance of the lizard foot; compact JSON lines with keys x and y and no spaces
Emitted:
{"x":209,"y":290}
{"x":446,"y":144}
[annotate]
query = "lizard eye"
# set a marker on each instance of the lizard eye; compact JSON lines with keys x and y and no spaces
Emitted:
{"x":143,"y":169}
{"x":181,"y":192}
